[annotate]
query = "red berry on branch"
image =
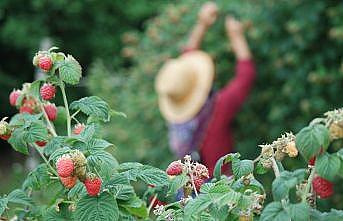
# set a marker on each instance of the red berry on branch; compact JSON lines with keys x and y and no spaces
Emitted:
{"x":157,"y":202}
{"x":69,"y":182}
{"x":45,"y":63}
{"x":198,"y":182}
{"x":41,"y":143}
{"x":93,"y":185}
{"x":312,"y":161}
{"x":322,"y":187}
{"x":26,"y":109}
{"x":14,"y":96}
{"x":51,"y":111}
{"x":65,"y":166}
{"x":47,"y":91}
{"x":5,"y":137}
{"x":174,"y":168}
{"x":78,"y":128}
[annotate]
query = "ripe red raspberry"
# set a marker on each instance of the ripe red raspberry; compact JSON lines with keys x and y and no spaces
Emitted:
{"x":322,"y":187}
{"x":312,"y":161}
{"x":14,"y":96}
{"x":157,"y":202}
{"x":93,"y":185}
{"x":41,"y":143}
{"x":69,"y":182}
{"x":5,"y":137}
{"x":78,"y":128}
{"x":51,"y":111}
{"x":47,"y":91}
{"x":65,"y":166}
{"x":174,"y":168}
{"x":198,"y":181}
{"x":201,"y":170}
{"x":26,"y":109}
{"x":45,"y":63}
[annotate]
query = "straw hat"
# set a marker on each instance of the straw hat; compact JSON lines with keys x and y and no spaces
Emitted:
{"x":183,"y":85}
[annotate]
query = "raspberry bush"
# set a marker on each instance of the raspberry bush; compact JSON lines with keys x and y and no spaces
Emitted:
{"x":87,"y":183}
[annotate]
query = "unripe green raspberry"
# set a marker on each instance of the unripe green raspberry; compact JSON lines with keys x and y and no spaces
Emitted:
{"x":279,"y":155}
{"x":266,"y":163}
{"x":4,"y":127}
{"x":80,"y":163}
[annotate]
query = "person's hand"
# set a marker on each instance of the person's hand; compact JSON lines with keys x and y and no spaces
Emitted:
{"x":235,"y":32}
{"x":208,"y":14}
{"x":234,"y":28}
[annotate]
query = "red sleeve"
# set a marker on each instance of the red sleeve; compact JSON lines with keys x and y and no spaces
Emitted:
{"x":232,"y":96}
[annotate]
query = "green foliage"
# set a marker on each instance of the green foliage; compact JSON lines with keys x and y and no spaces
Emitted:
{"x":296,"y":47}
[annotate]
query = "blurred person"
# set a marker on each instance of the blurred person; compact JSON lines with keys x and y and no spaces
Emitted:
{"x":199,"y":119}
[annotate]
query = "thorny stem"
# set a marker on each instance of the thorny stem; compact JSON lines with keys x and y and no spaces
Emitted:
{"x":74,"y":114}
{"x":50,"y":127}
{"x":193,"y":184}
{"x":257,"y":158}
{"x":152,"y":203}
{"x":308,"y":185}
{"x":67,"y":108}
{"x":275,"y":167}
{"x":44,"y":158}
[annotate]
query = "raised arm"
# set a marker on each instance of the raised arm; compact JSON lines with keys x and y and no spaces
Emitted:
{"x":233,"y":95}
{"x":206,"y":17}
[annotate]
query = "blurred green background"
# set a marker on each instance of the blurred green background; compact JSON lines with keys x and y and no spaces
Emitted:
{"x":297,"y":46}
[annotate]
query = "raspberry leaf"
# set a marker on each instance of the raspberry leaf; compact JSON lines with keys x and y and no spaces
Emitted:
{"x":311,"y":139}
{"x":3,"y":205}
{"x":70,"y":70}
{"x":287,"y":180}
{"x":120,"y":187}
{"x":328,"y":165}
{"x":54,"y":144}
{"x":274,"y":211}
{"x":36,"y":132}
{"x":101,"y":208}
{"x":299,"y":212}
{"x":136,"y":206}
{"x":242,"y":167}
{"x":93,"y":106}
{"x":38,"y":178}
{"x":20,"y":197}
{"x":223,"y":160}
{"x":17,"y":141}
{"x":177,"y":183}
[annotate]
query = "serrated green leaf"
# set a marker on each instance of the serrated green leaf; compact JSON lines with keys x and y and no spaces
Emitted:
{"x":176,"y":183}
{"x":242,"y":168}
{"x":58,"y":153}
{"x":287,"y":180}
{"x":51,"y":214}
{"x":196,"y":205}
{"x":310,"y":139}
{"x":77,"y":191}
{"x":93,"y":106}
{"x":152,"y":175}
{"x":36,"y":132}
{"x":120,"y":187}
{"x":3,"y":205}
{"x":37,"y":178}
{"x":328,"y":165}
{"x":299,"y":212}
{"x":136,"y":207}
{"x":35,"y":88}
{"x":274,"y":211}
{"x":223,"y":160}
{"x":103,"y":161}
{"x":334,"y":215}
{"x":101,"y":208}
{"x":20,"y":197}
{"x":17,"y":141}
{"x":54,"y":144}
{"x":70,"y":70}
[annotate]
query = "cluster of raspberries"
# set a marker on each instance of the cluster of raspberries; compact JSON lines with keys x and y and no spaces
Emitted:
{"x":196,"y":171}
{"x":71,"y":167}
{"x":323,"y":188}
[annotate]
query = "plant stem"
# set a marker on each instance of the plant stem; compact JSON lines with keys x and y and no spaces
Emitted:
{"x":44,"y":158}
{"x":308,"y":185}
{"x":257,"y":158}
{"x":152,"y":203}
{"x":67,"y":108}
{"x":193,"y":184}
{"x":275,"y":167}
{"x":50,"y":127}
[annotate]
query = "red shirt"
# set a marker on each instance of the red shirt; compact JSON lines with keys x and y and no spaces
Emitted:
{"x":218,"y":139}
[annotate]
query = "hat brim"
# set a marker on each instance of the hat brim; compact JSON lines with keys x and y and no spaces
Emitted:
{"x":203,"y":67}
